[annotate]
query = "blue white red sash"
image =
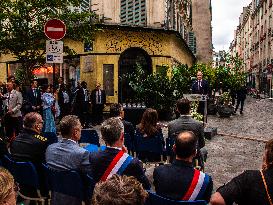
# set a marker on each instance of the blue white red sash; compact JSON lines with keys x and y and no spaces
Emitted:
{"x":198,"y":186}
{"x":117,"y":166}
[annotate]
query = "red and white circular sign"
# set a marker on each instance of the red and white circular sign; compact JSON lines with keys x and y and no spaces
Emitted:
{"x":55,"y":29}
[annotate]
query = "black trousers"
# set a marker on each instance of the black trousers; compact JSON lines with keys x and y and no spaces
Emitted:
{"x":13,"y":125}
{"x":97,"y":110}
{"x":242,"y":102}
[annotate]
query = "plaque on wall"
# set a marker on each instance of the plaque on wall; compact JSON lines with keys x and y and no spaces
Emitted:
{"x":88,"y":64}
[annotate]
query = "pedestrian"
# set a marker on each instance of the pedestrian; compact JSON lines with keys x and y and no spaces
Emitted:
{"x":32,"y":98}
{"x":241,"y":96}
{"x":98,"y":99}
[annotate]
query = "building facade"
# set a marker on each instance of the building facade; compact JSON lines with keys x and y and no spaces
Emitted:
{"x":201,"y":23}
{"x":152,"y":34}
{"x":253,"y":42}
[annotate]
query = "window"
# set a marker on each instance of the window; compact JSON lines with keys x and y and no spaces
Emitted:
{"x":133,"y":12}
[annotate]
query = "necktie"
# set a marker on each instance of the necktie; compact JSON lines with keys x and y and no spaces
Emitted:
{"x":199,"y":84}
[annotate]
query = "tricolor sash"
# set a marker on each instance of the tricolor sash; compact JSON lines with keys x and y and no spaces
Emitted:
{"x":198,"y":186}
{"x":117,"y":166}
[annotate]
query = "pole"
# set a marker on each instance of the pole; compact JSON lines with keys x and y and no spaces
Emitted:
{"x":54,"y":75}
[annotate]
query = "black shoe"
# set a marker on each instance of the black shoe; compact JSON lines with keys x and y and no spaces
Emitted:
{"x":241,"y":112}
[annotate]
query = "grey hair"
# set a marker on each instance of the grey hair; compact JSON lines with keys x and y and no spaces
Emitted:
{"x":111,"y":130}
{"x":30,"y":119}
{"x":67,"y":124}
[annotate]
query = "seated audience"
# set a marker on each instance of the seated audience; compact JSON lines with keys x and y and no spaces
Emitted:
{"x":147,"y":129}
{"x":8,"y":188}
{"x":114,"y":159}
{"x":179,"y":180}
{"x":253,"y":187}
{"x":29,"y":145}
{"x":116,"y":110}
{"x":67,"y":154}
{"x":186,"y":123}
{"x":119,"y":190}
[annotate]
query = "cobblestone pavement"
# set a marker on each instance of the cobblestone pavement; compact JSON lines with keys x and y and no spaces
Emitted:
{"x":229,"y":156}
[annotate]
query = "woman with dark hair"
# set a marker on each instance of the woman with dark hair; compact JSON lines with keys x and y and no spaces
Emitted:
{"x":149,"y":133}
{"x":48,"y":102}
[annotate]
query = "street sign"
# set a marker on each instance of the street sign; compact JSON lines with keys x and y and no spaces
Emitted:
{"x":54,"y":58}
{"x":54,"y":46}
{"x":54,"y":51}
{"x":55,"y":29}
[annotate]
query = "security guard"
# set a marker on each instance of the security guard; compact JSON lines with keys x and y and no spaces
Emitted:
{"x":29,"y":145}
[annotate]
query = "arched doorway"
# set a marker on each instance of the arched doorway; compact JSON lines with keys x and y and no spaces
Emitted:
{"x":128,"y":62}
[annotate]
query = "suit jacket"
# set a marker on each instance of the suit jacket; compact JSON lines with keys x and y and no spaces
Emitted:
{"x":66,"y":155}
{"x":31,"y":99}
{"x":173,"y":180}
{"x":93,"y":97}
{"x":14,"y":100}
{"x":102,"y":159}
{"x":187,"y":123}
{"x":203,"y":89}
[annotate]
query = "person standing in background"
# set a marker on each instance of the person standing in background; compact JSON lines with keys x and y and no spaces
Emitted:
{"x":201,"y":87}
{"x":13,"y":115}
{"x":32,"y":98}
{"x":98,"y":99}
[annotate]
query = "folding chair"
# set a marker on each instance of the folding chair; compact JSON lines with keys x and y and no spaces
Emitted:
{"x":155,"y":199}
{"x":149,"y":149}
{"x":89,"y":136}
{"x":69,"y":184}
{"x":26,"y":175}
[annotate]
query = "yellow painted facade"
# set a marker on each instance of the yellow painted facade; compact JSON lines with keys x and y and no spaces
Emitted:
{"x":164,"y":47}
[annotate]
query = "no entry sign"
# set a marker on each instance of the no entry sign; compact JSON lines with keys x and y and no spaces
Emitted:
{"x":55,"y":29}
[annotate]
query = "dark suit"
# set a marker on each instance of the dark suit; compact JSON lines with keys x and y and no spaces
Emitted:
{"x":79,"y":105}
{"x":102,"y":159}
{"x":173,"y":180}
{"x":241,"y":96}
{"x":201,"y":88}
{"x":187,"y":123}
{"x":32,"y":97}
{"x":97,"y":108}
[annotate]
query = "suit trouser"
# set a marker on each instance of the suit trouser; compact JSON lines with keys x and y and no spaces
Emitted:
{"x":13,"y":125}
{"x":242,"y":102}
{"x":98,"y":113}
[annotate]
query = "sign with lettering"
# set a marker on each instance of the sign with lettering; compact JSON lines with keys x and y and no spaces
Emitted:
{"x":54,"y":51}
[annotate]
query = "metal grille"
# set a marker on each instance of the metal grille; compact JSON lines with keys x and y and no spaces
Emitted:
{"x":133,"y":12}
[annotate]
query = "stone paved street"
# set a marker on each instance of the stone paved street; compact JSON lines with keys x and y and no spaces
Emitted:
{"x":229,"y":156}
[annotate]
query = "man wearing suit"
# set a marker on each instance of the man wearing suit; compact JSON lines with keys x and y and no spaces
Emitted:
{"x":186,"y":123}
{"x":179,"y":180}
{"x":13,"y":116}
{"x":201,"y":87}
{"x":68,"y":155}
{"x":98,"y":99}
{"x":114,"y":159}
{"x":32,"y":98}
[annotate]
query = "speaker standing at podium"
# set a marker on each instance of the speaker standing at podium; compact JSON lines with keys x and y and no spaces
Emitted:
{"x":201,"y":87}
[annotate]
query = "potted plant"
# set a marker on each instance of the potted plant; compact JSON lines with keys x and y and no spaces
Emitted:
{"x":225,"y":108}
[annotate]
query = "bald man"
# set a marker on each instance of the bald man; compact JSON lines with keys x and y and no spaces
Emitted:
{"x":179,"y":180}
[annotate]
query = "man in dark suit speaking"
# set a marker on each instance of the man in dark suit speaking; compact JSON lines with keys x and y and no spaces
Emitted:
{"x":98,"y":99}
{"x":201,"y":87}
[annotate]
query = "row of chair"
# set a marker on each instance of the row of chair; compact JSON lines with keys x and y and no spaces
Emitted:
{"x":146,"y":149}
{"x":69,"y":183}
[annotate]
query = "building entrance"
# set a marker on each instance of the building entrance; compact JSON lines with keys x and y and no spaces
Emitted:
{"x":128,"y":62}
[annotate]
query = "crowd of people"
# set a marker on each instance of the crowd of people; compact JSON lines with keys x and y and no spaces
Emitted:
{"x":51,"y":102}
{"x":120,"y":177}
